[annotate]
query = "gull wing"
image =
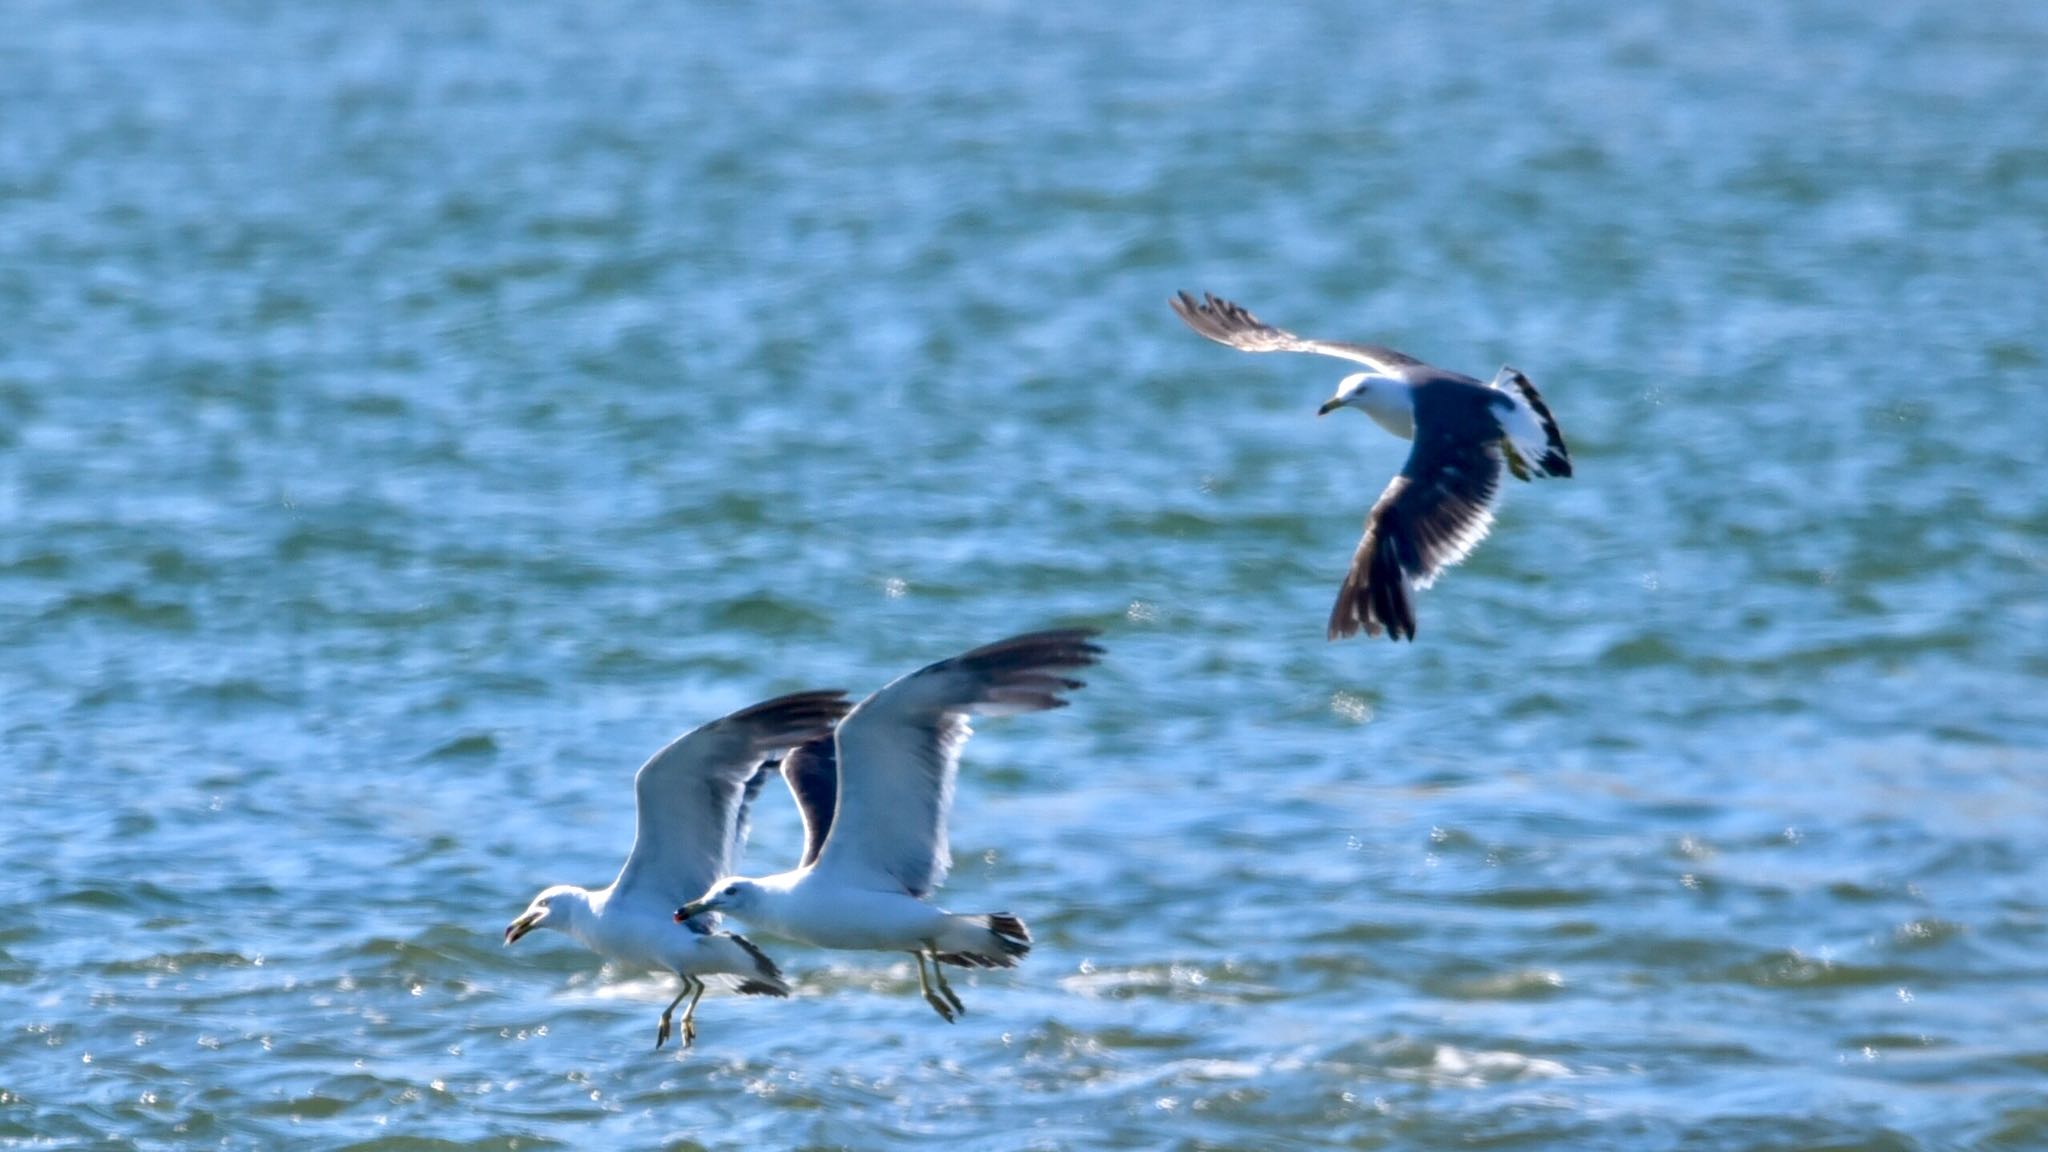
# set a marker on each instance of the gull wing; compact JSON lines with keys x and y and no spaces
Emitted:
{"x":899,"y":752}
{"x":812,"y":772}
{"x":1228,"y":323}
{"x":1430,"y":517}
{"x":691,"y":797}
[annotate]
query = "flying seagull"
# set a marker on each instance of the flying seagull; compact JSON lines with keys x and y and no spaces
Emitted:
{"x":874,"y":801}
{"x":1441,"y":505}
{"x":691,"y":809}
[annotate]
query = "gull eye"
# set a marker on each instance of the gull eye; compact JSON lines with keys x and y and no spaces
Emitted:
{"x":732,"y":890}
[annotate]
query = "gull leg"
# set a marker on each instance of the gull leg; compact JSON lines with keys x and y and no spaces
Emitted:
{"x":945,"y":1012}
{"x":946,"y":987}
{"x":668,"y":1013}
{"x":690,"y":1013}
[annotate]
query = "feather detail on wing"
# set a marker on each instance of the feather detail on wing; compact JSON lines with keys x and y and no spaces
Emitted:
{"x":1228,"y":323}
{"x":811,"y":770}
{"x":1430,"y":517}
{"x":691,"y":796}
{"x":899,"y":752}
{"x":1532,"y":431}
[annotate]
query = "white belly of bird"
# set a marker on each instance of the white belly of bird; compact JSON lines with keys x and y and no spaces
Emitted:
{"x":837,"y":917}
{"x":646,"y":938}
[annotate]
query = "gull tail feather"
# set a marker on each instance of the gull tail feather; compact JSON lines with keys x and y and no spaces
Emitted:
{"x":993,"y":940}
{"x":1532,"y":432}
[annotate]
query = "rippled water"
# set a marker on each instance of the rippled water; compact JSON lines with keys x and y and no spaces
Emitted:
{"x":411,"y":416}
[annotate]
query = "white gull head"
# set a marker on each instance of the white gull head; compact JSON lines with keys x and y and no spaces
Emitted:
{"x":740,"y":897}
{"x":562,"y":907}
{"x":1389,"y":401}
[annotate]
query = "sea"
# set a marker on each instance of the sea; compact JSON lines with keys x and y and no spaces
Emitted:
{"x":412,"y":416}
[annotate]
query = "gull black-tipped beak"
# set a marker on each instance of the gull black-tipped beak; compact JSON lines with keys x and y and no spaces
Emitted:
{"x":521,"y":926}
{"x":693,"y":908}
{"x":1329,"y":406}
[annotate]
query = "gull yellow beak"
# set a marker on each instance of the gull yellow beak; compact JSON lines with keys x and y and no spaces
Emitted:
{"x":693,"y":908}
{"x":520,"y":927}
{"x":1329,"y":406}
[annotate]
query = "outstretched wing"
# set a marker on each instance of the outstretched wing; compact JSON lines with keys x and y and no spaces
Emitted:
{"x":1432,"y":516}
{"x":691,"y":796}
{"x":900,"y":750}
{"x":812,"y":772}
{"x":1228,"y":323}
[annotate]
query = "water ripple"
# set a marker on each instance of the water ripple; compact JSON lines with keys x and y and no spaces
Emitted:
{"x":412,"y":418}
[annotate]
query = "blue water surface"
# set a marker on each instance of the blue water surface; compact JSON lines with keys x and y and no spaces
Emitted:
{"x":411,"y":416}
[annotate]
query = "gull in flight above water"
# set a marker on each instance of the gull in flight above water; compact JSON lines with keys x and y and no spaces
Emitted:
{"x":691,"y":811}
{"x":874,"y":800}
{"x":1440,"y":506}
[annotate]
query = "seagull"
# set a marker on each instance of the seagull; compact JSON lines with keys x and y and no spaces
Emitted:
{"x":1440,"y":506}
{"x":874,"y":800}
{"x":691,"y":800}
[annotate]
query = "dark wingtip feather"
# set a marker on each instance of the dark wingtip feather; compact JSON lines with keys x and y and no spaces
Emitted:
{"x":1214,"y":317}
{"x":1375,"y":593}
{"x":767,"y":980}
{"x":820,"y":702}
{"x":1048,"y":648}
{"x":1345,"y":615}
{"x":1374,"y":597}
{"x":1021,"y":672}
{"x":1391,"y":602}
{"x":796,"y":717}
